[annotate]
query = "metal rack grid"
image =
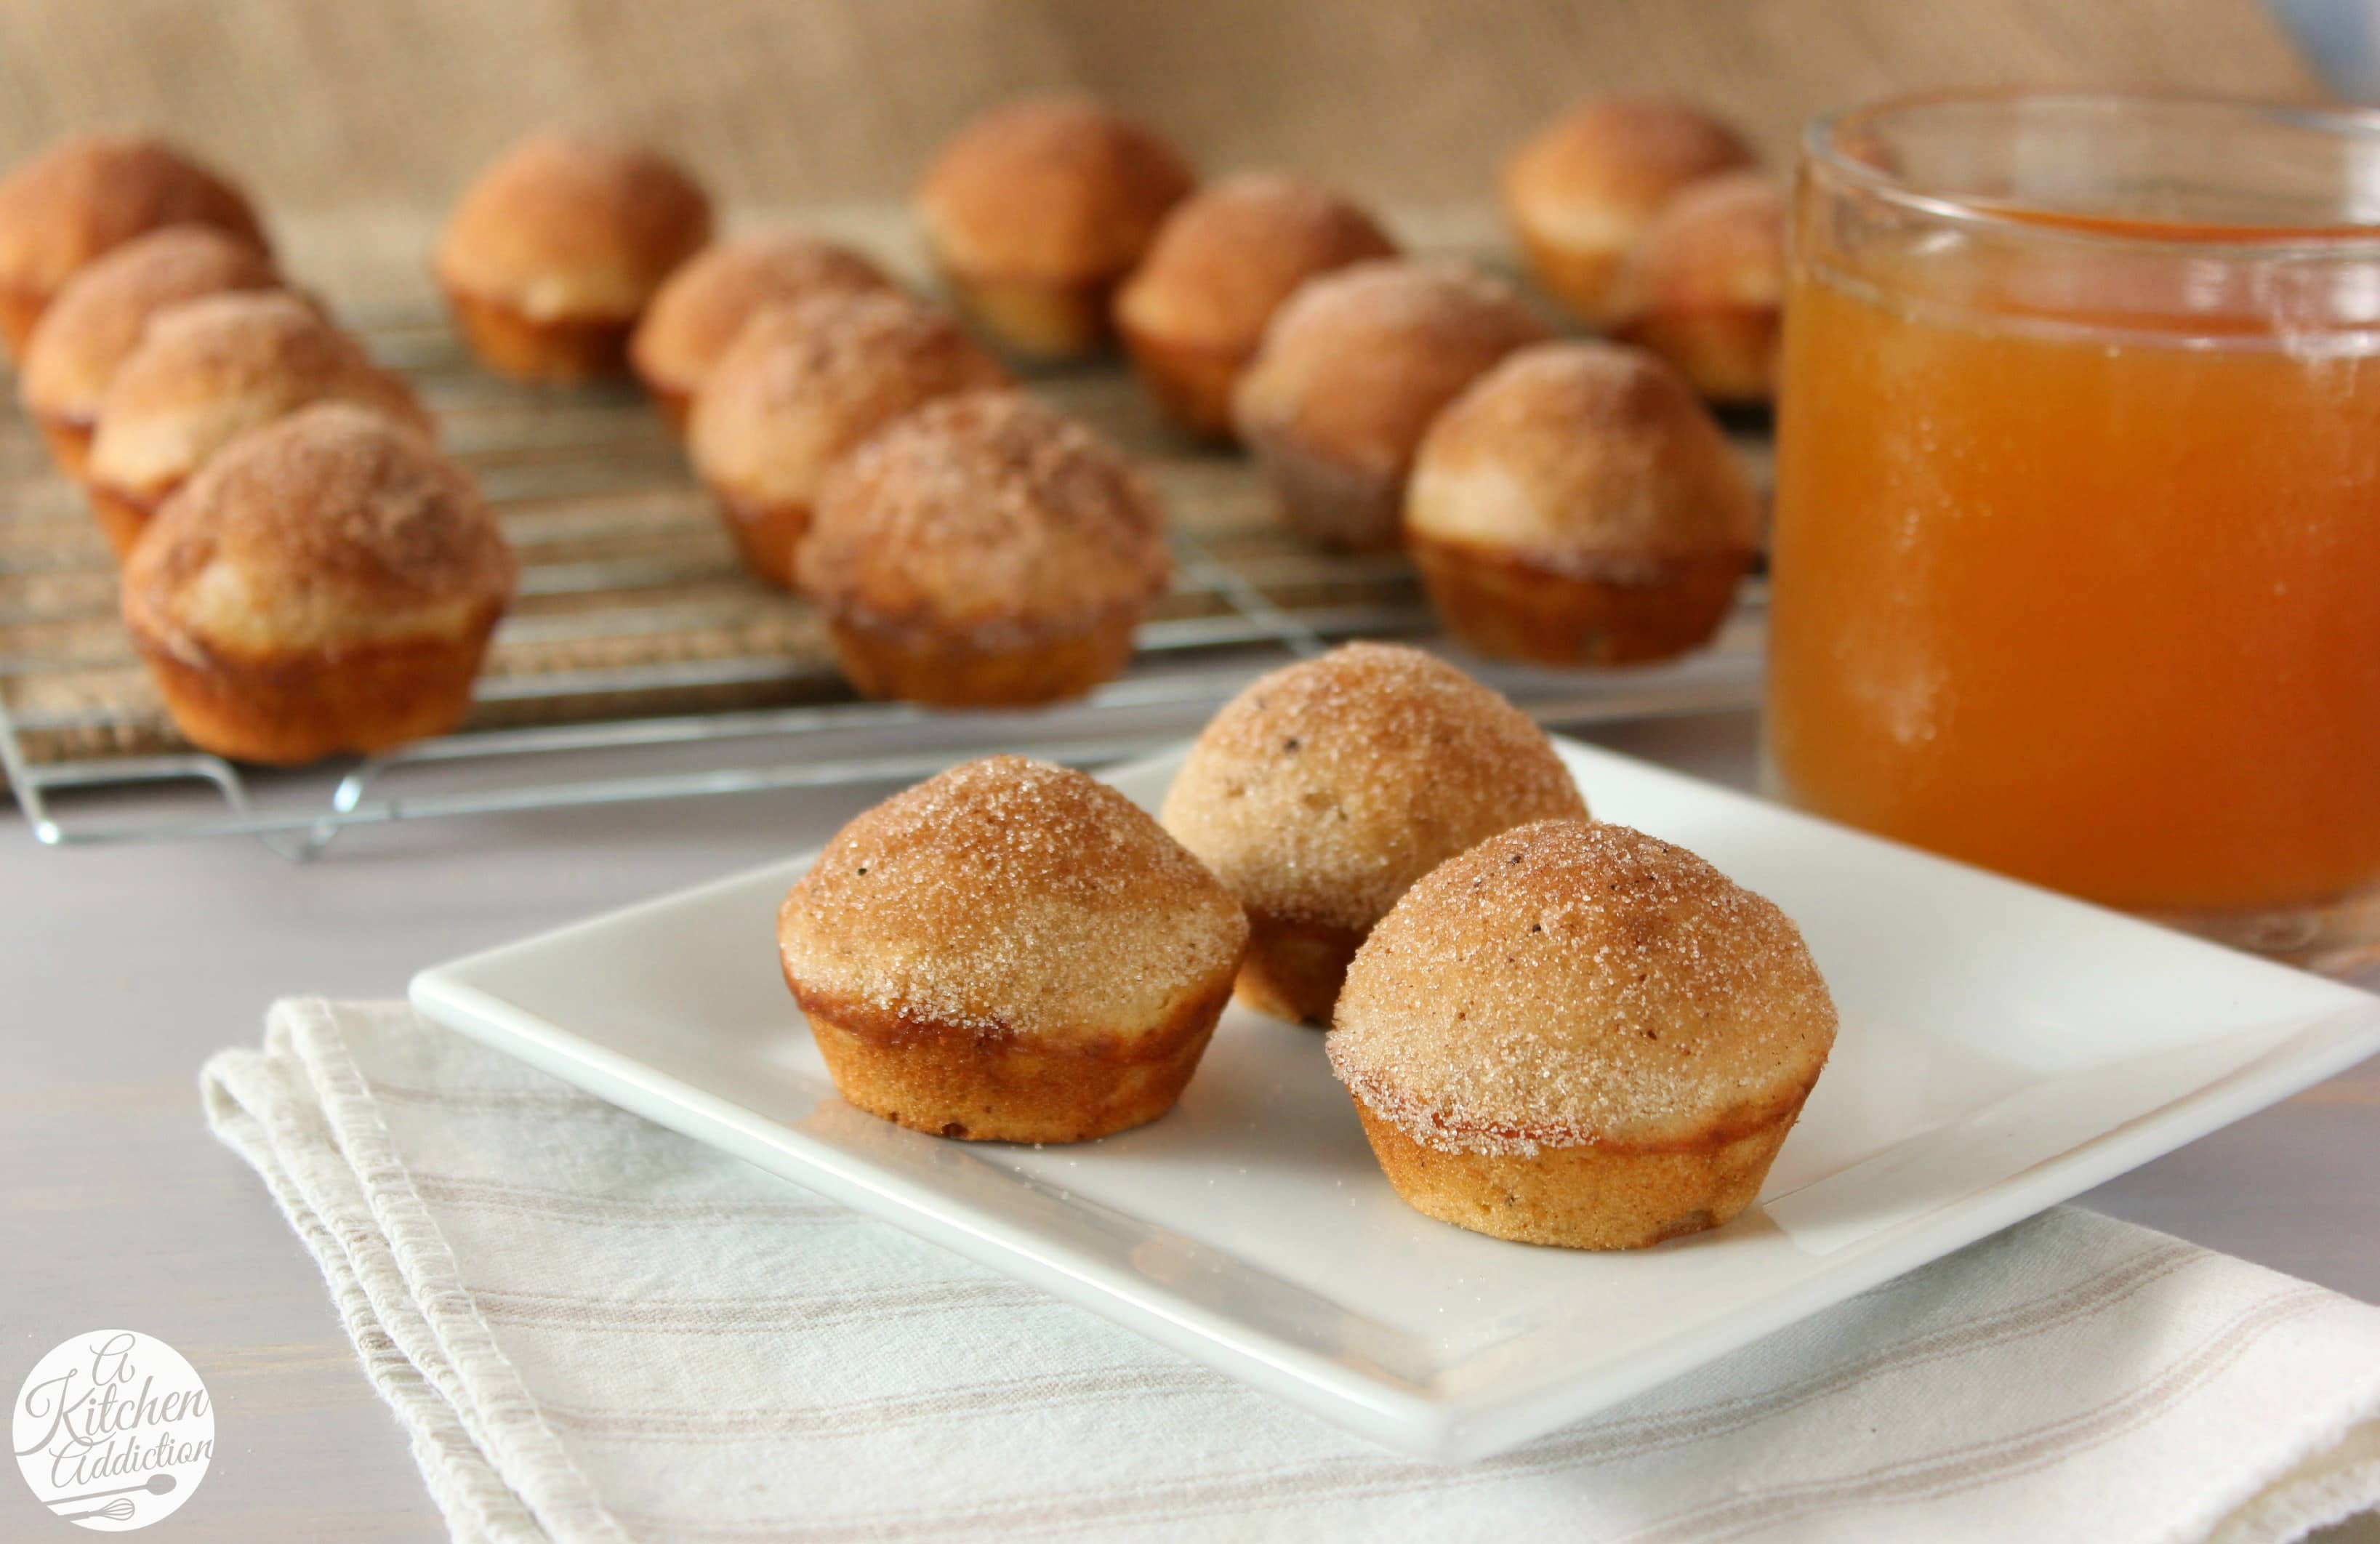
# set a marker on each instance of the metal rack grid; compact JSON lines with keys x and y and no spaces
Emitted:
{"x":637,"y":635}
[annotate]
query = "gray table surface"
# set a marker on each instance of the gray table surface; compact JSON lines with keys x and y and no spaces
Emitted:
{"x":123,"y":968}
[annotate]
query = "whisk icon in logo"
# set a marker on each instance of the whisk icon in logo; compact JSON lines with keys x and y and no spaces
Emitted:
{"x":113,"y":1430}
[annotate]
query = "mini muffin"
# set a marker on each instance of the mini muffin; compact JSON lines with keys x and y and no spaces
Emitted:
{"x":325,"y":583}
{"x":1011,"y":952}
{"x":553,"y":254}
{"x":1575,"y":1034}
{"x":1580,"y":193}
{"x":1323,"y":791}
{"x":88,"y":195}
{"x":985,"y":550}
{"x":209,"y":370}
{"x":1224,"y":261}
{"x":1705,"y":287}
{"x":97,"y":321}
{"x":1579,"y":505}
{"x":1037,"y":210}
{"x":705,"y":304}
{"x":1352,"y":371}
{"x":802,"y":385}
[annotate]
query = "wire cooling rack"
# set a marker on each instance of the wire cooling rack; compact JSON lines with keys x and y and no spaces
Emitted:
{"x":639,"y":663}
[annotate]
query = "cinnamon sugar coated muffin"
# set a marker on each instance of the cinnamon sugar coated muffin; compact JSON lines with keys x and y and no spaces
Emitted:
{"x":985,"y":550}
{"x":1580,"y":193}
{"x":1010,"y":952}
{"x":553,"y":252}
{"x":1037,"y":209}
{"x":1579,"y":505}
{"x":208,"y":373}
{"x":705,"y":303}
{"x":1351,"y":373}
{"x":1324,"y":790}
{"x":326,"y":583}
{"x":1705,"y":287}
{"x":804,"y":383}
{"x":209,"y":370}
{"x":88,"y":195}
{"x":1575,"y":1034}
{"x":99,"y":317}
{"x":1195,"y":310}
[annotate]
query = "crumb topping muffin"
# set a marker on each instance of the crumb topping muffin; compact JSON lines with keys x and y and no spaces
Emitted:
{"x":99,"y":319}
{"x":698,"y":314}
{"x":1352,"y":371}
{"x":89,"y":194}
{"x":1224,"y":261}
{"x":1705,"y":286}
{"x":1580,"y":193}
{"x":1326,"y":788}
{"x":803,"y":384}
{"x":985,"y":549}
{"x":210,"y":370}
{"x":1578,"y":504}
{"x":325,"y":583}
{"x":1011,"y":951}
{"x":553,"y":253}
{"x":1577,"y":1034}
{"x":1036,"y":209}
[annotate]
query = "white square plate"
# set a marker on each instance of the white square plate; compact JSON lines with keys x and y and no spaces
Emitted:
{"x":2002,"y":1048}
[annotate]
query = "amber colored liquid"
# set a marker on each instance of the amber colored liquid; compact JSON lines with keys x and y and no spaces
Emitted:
{"x":2100,"y":611}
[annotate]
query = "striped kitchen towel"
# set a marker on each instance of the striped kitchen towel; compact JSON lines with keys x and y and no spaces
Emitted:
{"x":595,"y":1330}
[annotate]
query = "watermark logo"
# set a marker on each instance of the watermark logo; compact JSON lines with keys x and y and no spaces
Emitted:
{"x":114,"y":1430}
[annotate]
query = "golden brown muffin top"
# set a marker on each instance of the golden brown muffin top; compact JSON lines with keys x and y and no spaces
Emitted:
{"x":210,"y":370}
{"x":804,"y":383}
{"x":1719,"y":245}
{"x":1324,"y":790}
{"x":1359,"y":360}
{"x":87,"y":194}
{"x":987,"y":512}
{"x":96,"y":322}
{"x":1014,"y":899}
{"x":568,"y":226}
{"x":1570,"y":983}
{"x":696,"y":314}
{"x":332,"y":527}
{"x":1058,"y":189}
{"x":1231,"y":253}
{"x":1591,"y":176}
{"x":1590,"y":459}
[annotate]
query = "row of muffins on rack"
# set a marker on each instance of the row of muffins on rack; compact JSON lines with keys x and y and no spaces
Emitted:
{"x":780,"y":353}
{"x":1553,"y":1029}
{"x":1647,"y":219}
{"x":1058,"y":225}
{"x":302,"y":582}
{"x":303,"y":571}
{"x":1580,"y":506}
{"x":967,"y":545}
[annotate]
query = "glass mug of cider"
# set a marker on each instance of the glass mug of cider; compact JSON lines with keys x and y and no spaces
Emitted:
{"x":2076,"y":566}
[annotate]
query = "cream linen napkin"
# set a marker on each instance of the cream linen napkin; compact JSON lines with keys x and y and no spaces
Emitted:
{"x":594,"y":1329}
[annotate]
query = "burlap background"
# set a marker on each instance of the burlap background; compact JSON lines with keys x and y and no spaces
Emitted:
{"x":326,"y":104}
